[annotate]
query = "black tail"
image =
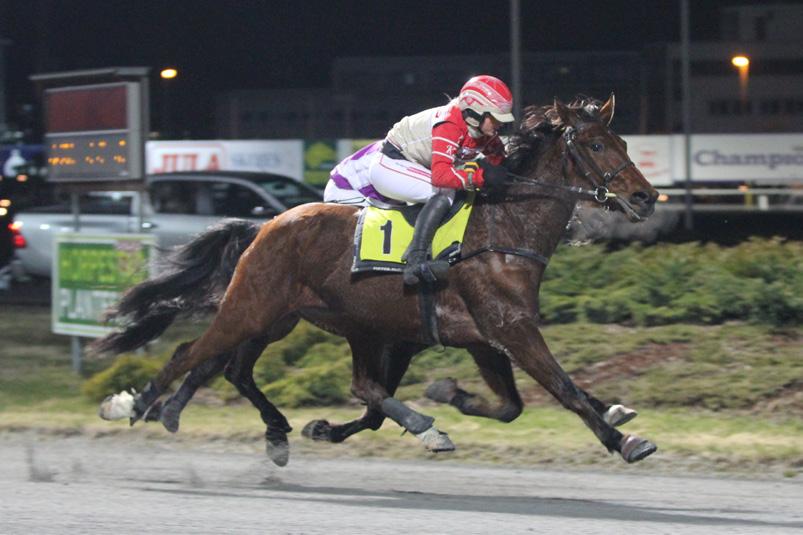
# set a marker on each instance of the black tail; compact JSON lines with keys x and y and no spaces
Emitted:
{"x":192,"y":282}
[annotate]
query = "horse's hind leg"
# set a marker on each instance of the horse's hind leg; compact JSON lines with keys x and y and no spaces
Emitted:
{"x":395,"y":360}
{"x":367,"y":385}
{"x":527,"y":348}
{"x":170,"y":412}
{"x":240,"y":372}
{"x":252,"y":305}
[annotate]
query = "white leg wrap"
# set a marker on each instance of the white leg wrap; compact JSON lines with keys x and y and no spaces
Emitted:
{"x":618,"y":415}
{"x":435,"y":440}
{"x":117,"y":406}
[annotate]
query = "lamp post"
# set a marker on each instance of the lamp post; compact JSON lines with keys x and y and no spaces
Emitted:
{"x":742,"y":63}
{"x":167,"y":74}
{"x":685,"y":74}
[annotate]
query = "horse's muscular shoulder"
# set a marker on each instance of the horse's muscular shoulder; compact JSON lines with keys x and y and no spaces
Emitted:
{"x":316,"y":225}
{"x":317,"y":210}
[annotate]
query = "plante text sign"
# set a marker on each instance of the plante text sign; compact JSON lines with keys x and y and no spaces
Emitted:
{"x":90,"y":273}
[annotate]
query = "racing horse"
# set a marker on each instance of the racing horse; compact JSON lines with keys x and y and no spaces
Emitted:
{"x":297,"y":266}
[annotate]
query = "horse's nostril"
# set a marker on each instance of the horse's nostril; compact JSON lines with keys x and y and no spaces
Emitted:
{"x":640,"y":197}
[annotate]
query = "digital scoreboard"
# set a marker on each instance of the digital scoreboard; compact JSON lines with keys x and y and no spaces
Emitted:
{"x":94,"y":132}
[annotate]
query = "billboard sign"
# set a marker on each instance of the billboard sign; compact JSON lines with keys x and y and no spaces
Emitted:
{"x":90,"y":273}
{"x":652,"y":156}
{"x":772,"y":158}
{"x":282,"y":157}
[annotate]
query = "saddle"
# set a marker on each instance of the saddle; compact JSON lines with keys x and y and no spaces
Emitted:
{"x":383,"y":235}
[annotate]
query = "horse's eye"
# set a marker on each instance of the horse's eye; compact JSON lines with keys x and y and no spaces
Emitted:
{"x":597,"y":147}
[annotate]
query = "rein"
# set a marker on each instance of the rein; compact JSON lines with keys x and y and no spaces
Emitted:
{"x":589,"y":170}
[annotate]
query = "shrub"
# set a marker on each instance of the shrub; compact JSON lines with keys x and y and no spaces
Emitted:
{"x":758,"y":280}
{"x":128,"y":371}
{"x":325,"y":384}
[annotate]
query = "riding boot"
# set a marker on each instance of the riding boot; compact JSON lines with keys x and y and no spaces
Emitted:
{"x":419,"y":267}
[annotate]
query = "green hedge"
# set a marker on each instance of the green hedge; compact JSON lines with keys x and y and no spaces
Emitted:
{"x":127,"y":371}
{"x":759,"y":280}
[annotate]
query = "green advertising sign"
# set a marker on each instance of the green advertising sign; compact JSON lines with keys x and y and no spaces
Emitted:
{"x":320,"y":157}
{"x":90,"y":273}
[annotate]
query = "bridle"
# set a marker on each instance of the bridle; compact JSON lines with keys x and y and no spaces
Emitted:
{"x":589,"y":170}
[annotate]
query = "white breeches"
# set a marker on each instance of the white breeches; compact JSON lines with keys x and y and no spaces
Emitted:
{"x":373,"y":176}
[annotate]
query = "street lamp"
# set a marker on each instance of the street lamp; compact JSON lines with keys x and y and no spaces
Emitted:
{"x":167,"y":75}
{"x":742,"y":63}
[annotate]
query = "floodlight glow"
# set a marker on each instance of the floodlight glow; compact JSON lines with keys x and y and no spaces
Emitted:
{"x":740,"y":61}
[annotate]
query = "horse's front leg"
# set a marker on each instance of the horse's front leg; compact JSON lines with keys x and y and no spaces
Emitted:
{"x":523,"y":343}
{"x":495,"y":369}
{"x":494,"y":366}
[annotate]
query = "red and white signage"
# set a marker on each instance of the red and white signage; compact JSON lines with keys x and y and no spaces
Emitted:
{"x":283,"y":157}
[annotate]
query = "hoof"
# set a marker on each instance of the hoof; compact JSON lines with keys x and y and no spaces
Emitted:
{"x":155,"y":413}
{"x":442,"y":391}
{"x":318,"y":430}
{"x":617,"y":415}
{"x":169,"y":416}
{"x":436,"y":441}
{"x":277,"y":447}
{"x":634,"y":449}
{"x":117,"y":406}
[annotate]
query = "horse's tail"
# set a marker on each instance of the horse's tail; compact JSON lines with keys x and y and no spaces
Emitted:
{"x":192,"y":282}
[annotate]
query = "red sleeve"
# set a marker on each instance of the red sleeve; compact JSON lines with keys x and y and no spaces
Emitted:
{"x":445,"y":137}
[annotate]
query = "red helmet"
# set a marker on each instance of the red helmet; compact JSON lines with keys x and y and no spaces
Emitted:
{"x":485,"y":94}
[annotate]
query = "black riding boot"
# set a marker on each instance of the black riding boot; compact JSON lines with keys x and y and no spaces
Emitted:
{"x":419,"y":267}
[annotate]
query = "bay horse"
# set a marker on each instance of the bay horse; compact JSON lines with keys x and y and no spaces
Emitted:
{"x":298,"y":266}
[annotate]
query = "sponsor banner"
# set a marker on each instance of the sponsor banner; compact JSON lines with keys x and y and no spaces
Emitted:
{"x":652,"y":156}
{"x":282,"y":157}
{"x":320,"y":156}
{"x":90,"y":273}
{"x":740,"y":157}
{"x":768,"y":158}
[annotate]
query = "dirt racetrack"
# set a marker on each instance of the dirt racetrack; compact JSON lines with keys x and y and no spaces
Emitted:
{"x":113,"y":485}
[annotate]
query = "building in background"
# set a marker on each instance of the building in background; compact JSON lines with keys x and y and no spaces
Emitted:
{"x":768,"y":97}
{"x":369,"y":94}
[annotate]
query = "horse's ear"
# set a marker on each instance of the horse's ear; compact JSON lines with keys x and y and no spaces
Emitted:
{"x":563,"y":112}
{"x":606,"y":112}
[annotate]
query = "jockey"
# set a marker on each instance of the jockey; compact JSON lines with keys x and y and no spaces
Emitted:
{"x":425,"y":158}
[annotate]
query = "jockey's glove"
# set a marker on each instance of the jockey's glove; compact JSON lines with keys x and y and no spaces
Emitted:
{"x":494,"y":176}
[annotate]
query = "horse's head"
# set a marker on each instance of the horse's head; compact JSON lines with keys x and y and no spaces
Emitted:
{"x":597,"y":157}
{"x":594,"y":158}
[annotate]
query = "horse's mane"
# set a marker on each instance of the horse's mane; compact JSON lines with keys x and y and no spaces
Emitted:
{"x":540,"y":123}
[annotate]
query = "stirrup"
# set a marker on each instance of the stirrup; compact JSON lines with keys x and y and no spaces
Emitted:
{"x":429,"y":271}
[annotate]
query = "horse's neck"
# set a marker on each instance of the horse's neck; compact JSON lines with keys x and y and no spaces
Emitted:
{"x":530,"y":220}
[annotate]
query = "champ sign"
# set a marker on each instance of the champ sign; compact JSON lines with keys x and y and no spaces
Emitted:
{"x":90,"y":274}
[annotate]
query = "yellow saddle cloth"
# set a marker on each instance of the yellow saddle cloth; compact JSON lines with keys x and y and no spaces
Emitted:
{"x":383,"y":235}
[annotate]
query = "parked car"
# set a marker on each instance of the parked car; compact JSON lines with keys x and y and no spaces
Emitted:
{"x":177,"y":207}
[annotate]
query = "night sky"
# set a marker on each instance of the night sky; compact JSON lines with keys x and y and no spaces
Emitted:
{"x":242,"y":44}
